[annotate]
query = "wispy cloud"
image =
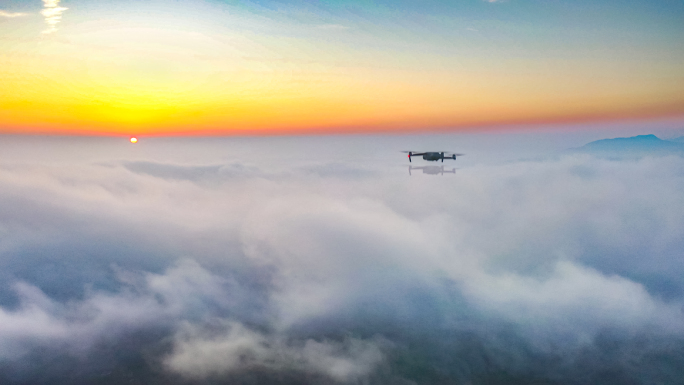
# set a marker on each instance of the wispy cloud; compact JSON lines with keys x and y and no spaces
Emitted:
{"x":229,"y":346}
{"x":11,"y":14}
{"x":53,"y":14}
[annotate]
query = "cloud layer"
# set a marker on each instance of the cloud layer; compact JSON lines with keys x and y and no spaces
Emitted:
{"x":11,"y":14}
{"x":564,"y":270}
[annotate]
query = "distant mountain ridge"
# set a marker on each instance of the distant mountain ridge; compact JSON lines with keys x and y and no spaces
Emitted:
{"x":640,"y":145}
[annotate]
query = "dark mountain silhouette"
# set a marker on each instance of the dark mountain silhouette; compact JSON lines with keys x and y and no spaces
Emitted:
{"x":635,"y":146}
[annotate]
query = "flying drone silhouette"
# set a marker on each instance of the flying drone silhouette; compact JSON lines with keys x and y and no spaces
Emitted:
{"x":433,"y":156}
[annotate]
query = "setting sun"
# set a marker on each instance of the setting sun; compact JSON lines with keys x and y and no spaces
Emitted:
{"x":134,"y":139}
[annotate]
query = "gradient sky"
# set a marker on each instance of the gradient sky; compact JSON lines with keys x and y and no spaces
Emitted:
{"x":227,"y":67}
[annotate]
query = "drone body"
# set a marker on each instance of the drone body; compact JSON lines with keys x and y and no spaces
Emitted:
{"x":433,"y":156}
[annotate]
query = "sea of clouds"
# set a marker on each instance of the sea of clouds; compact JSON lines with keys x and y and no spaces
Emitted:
{"x":310,"y":262}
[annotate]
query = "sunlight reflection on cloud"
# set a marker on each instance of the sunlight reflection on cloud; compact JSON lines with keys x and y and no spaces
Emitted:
{"x":53,"y":14}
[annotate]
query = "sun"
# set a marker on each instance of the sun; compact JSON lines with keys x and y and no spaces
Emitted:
{"x":134,"y":139}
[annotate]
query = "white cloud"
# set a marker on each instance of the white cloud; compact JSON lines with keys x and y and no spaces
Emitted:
{"x":293,"y":267}
{"x":574,"y":304}
{"x":42,"y":322}
{"x":152,"y":300}
{"x":200,"y":353}
{"x":12,"y":14}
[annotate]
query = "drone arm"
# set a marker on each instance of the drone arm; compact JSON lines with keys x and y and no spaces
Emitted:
{"x":410,"y":154}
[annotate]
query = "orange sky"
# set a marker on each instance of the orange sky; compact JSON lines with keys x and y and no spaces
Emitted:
{"x":238,"y":71}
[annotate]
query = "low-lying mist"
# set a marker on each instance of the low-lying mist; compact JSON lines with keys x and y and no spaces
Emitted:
{"x":179,"y":262}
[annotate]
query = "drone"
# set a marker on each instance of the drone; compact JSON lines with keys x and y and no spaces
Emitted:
{"x":433,"y":156}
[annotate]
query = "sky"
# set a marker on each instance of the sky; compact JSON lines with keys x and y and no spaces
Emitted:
{"x":280,"y":67}
{"x":333,"y":260}
{"x":235,"y":244}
